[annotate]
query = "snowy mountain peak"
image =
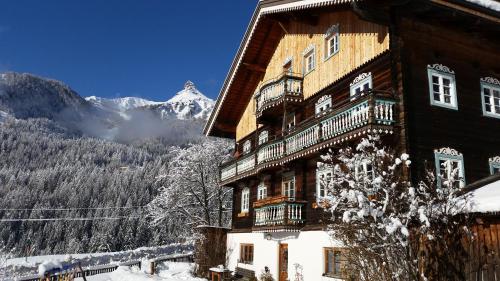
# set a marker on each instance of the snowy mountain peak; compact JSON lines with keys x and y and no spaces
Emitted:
{"x":189,"y":85}
{"x":188,"y":103}
{"x":120,"y":104}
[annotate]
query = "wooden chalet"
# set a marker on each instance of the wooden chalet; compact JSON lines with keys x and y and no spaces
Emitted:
{"x":317,"y":74}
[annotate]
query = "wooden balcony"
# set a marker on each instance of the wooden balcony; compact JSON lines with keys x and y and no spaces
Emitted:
{"x":270,"y":97}
{"x":278,"y":213}
{"x":369,"y":113}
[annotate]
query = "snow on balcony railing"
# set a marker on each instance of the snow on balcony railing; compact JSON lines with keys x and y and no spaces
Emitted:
{"x":228,"y":172}
{"x":246,"y":164}
{"x":346,"y":120}
{"x":270,"y":152}
{"x":284,"y":213}
{"x":284,"y":85}
{"x":303,"y":139}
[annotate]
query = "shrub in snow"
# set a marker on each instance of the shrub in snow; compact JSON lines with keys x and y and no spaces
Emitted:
{"x":389,"y":227}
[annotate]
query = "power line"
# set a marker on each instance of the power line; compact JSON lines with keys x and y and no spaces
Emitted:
{"x":70,"y":209}
{"x":69,"y":219}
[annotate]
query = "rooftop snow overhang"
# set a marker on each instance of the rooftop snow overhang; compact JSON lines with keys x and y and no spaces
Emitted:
{"x":253,"y":55}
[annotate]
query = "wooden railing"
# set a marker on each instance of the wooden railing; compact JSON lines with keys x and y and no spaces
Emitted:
{"x":89,"y":271}
{"x":279,"y":211}
{"x":367,"y":109}
{"x":286,"y":85}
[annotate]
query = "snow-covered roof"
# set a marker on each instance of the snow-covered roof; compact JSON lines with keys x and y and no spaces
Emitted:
{"x":488,"y":4}
{"x":486,"y":199}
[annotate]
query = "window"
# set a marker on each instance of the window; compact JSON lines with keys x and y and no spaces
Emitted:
{"x":309,"y":59}
{"x":449,"y":167}
{"x":361,"y":84}
{"x":324,"y":176}
{"x":364,"y":173}
{"x":245,"y":200}
{"x":247,"y":146}
{"x":290,"y":121}
{"x":263,"y":137}
{"x":442,"y":86}
{"x":334,"y":262}
{"x":288,"y":185}
{"x":490,"y":96}
{"x":331,"y":41}
{"x":246,"y":253}
{"x":495,"y":165}
{"x":261,"y":191}
{"x":323,"y":103}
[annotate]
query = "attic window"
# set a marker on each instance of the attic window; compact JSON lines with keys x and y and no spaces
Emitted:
{"x":490,"y":96}
{"x":323,"y":104}
{"x":247,"y":146}
{"x":331,"y":41}
{"x":449,"y":167}
{"x":309,"y":59}
{"x":442,"y":88}
{"x":361,"y":84}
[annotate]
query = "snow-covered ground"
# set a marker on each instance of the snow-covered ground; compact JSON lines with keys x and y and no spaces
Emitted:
{"x":168,"y":271}
{"x":28,"y":266}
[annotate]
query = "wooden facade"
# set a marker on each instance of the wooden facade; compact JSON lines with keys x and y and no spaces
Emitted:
{"x":394,"y":44}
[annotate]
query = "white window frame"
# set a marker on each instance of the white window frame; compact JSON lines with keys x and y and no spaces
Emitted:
{"x":247,"y":146}
{"x":261,"y":191}
{"x":323,"y":104}
{"x":442,"y":72}
{"x":494,"y":164}
{"x":324,"y":175}
{"x":288,"y":186}
{"x":332,"y":34}
{"x":245,"y":200}
{"x":492,"y":84}
{"x":263,"y":137}
{"x":449,"y":154}
{"x":309,"y":52}
{"x":360,"y":82}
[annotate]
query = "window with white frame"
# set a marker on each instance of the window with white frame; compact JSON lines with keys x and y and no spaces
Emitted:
{"x":331,"y":41}
{"x":323,"y":104}
{"x":288,"y":185}
{"x":261,"y":191}
{"x":245,"y":200}
{"x":309,"y":59}
{"x":263,"y":137}
{"x":490,"y":96}
{"x":449,"y":167}
{"x":442,"y":87}
{"x":494,"y":165}
{"x":361,"y":84}
{"x":363,"y":172}
{"x":324,"y":176}
{"x":247,"y":146}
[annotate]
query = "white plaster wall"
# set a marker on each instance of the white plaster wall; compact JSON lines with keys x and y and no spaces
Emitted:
{"x":305,"y":249}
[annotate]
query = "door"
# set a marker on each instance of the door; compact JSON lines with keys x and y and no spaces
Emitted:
{"x":283,"y":266}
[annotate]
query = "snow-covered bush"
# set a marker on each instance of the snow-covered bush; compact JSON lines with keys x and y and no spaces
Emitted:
{"x":380,"y":217}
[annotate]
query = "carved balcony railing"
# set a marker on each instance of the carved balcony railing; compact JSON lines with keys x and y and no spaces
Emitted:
{"x":287,"y":87}
{"x":272,"y":151}
{"x":278,"y":212}
{"x":369,"y":112}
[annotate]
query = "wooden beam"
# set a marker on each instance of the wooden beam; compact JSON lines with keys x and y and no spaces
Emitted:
{"x":466,"y":10}
{"x":254,"y":67}
{"x":283,"y":27}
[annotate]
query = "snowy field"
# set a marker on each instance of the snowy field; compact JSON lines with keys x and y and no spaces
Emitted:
{"x":168,"y":271}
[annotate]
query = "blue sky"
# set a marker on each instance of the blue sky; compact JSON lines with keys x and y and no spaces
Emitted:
{"x":113,"y":48}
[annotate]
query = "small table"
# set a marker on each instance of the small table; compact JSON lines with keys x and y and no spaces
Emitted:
{"x":220,"y":274}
